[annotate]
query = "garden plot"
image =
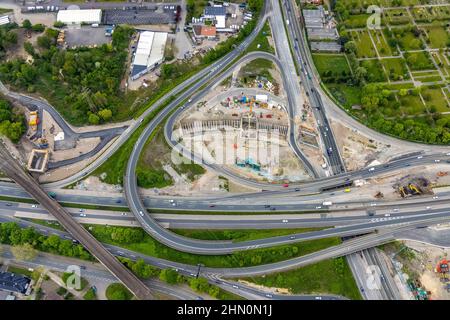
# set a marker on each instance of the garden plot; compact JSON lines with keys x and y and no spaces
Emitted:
{"x":436,"y":37}
{"x":396,"y":68}
{"x":397,"y":16}
{"x":382,"y":46}
{"x":364,"y":45}
{"x":419,"y":60}
{"x":375,"y":71}
{"x":435,"y":100}
{"x":412,"y":105}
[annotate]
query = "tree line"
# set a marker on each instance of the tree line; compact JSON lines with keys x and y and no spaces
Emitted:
{"x":12,"y":234}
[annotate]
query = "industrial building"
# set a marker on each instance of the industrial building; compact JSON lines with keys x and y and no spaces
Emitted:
{"x":149,"y":53}
{"x":204,"y":32}
{"x":217,"y":14}
{"x":4,"y":20}
{"x":79,"y":16}
{"x":320,"y":26}
{"x":14,"y":283}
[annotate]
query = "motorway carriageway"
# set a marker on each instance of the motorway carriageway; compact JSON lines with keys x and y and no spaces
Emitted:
{"x":418,"y":218}
{"x":350,"y":246}
{"x":207,"y":221}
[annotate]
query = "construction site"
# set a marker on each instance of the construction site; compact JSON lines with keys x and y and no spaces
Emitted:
{"x":244,"y":130}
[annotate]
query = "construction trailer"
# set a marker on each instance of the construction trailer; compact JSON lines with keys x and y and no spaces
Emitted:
{"x":34,"y":120}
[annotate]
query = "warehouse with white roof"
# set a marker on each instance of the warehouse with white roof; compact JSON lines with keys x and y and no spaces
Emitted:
{"x":79,"y":16}
{"x":149,"y":52}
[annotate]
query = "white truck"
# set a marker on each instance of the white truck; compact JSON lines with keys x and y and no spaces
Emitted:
{"x":327,"y":203}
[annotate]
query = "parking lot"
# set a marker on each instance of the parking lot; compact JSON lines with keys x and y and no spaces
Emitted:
{"x":137,"y":17}
{"x":86,"y":36}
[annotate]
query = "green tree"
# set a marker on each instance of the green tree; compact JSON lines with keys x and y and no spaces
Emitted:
{"x":24,"y":252}
{"x":105,"y":114}
{"x":168,"y":275}
{"x":27,"y":24}
{"x":117,"y":291}
{"x":94,"y":119}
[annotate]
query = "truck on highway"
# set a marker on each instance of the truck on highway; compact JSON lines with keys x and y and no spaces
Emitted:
{"x":327,"y":203}
{"x":52,"y":194}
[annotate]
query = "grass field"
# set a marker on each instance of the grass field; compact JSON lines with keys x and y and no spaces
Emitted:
{"x":437,"y":37}
{"x":337,"y":63}
{"x":3,"y":10}
{"x":239,"y":235}
{"x":330,"y":276}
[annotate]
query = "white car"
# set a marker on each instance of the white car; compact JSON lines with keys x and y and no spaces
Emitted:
{"x":437,"y":160}
{"x":435,"y":197}
{"x":447,"y":154}
{"x":395,"y":210}
{"x":34,"y":206}
{"x":82,"y":214}
{"x":371,"y":169}
{"x":318,"y":298}
{"x":285,"y":221}
{"x":428,"y":208}
{"x":419,"y":157}
{"x":235,"y":286}
{"x":319,"y":207}
{"x":387,"y":215}
{"x":174,"y":204}
{"x":373,"y":204}
{"x":268,"y":295}
{"x":141,"y":213}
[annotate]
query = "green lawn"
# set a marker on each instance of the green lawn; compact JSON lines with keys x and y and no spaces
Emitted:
{"x":438,"y":37}
{"x":2,"y":10}
{"x":18,"y":270}
{"x":347,"y":96}
{"x":336,"y":63}
{"x":239,"y":235}
{"x":262,"y":40}
{"x":326,"y":277}
{"x":356,"y":21}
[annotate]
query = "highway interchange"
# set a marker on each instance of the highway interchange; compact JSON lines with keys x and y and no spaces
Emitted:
{"x":342,"y":219}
